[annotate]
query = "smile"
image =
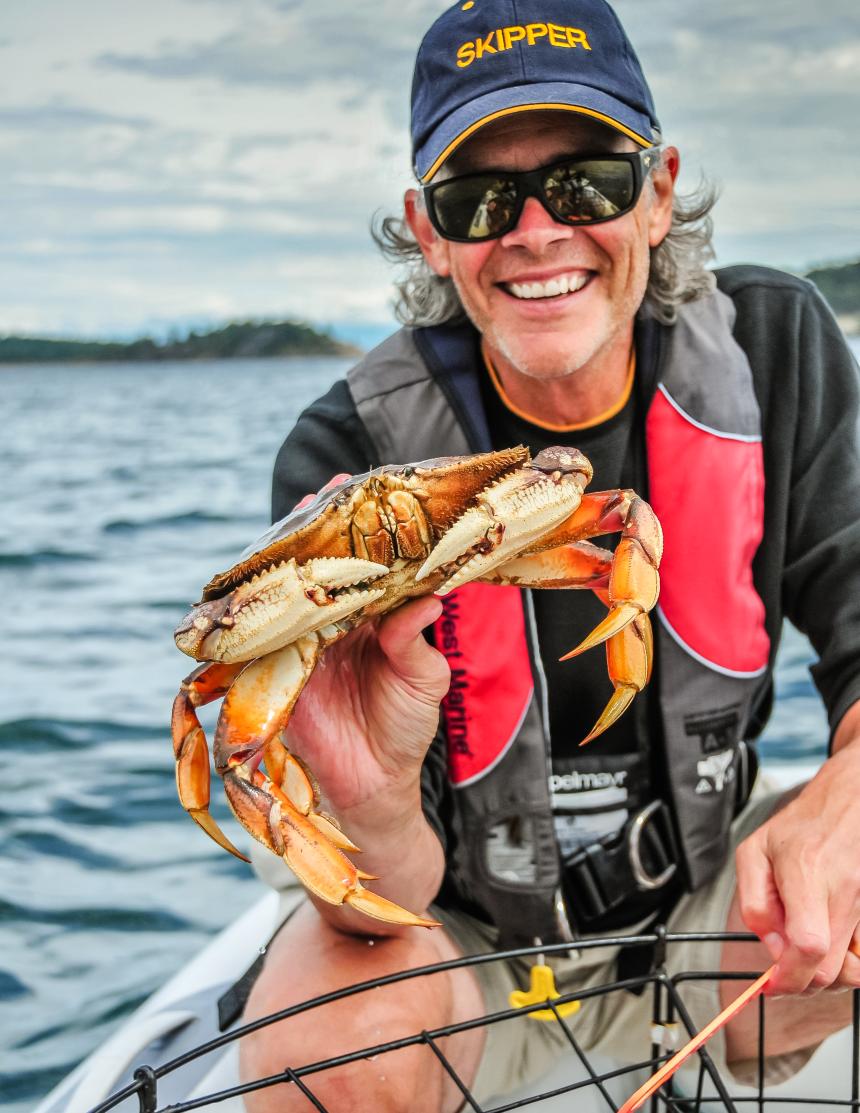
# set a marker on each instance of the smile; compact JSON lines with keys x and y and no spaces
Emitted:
{"x":554,"y":287}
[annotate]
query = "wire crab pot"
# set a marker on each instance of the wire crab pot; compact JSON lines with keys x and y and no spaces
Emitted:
{"x":699,"y":1088}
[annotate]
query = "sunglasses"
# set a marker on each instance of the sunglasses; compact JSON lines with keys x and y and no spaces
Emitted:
{"x":577,"y":190}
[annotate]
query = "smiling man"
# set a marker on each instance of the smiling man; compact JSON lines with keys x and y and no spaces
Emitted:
{"x":556,"y":293}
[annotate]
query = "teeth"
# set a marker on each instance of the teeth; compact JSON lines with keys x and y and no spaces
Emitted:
{"x":561,"y":284}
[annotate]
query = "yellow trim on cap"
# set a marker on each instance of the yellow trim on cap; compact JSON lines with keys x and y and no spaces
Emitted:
{"x":616,"y":407}
{"x":640,"y":139}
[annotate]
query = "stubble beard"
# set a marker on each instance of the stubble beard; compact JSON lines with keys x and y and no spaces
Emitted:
{"x":529,"y":368}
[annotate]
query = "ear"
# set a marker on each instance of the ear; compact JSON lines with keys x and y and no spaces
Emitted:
{"x":663,"y":182}
{"x":433,"y":247}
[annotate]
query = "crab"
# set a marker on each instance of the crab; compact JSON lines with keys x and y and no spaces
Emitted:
{"x":356,"y":552}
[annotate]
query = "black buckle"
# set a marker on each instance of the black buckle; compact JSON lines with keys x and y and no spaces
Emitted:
{"x":643,"y":858}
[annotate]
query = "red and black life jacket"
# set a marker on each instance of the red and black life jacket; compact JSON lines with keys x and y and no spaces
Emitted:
{"x":418,"y":395}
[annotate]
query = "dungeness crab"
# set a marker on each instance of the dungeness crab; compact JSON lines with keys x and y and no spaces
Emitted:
{"x":358,"y":551}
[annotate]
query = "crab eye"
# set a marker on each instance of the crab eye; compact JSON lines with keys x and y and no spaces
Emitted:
{"x":408,"y":473}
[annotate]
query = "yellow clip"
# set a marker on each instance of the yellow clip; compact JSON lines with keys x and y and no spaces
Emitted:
{"x":542,"y":988}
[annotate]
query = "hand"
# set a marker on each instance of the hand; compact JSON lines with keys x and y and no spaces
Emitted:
{"x":799,"y":882}
{"x":333,"y":482}
{"x":370,"y":711}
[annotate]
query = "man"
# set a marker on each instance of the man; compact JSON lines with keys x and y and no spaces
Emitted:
{"x":547,"y":320}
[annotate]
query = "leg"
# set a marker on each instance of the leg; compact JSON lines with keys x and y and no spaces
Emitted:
{"x":208,"y":682}
{"x":309,"y":958}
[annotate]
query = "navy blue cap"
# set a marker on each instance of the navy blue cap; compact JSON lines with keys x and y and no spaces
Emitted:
{"x":483,"y":59}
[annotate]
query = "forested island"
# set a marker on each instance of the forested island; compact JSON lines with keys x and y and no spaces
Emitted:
{"x":241,"y":340}
{"x":841,"y":286}
{"x":839,"y":283}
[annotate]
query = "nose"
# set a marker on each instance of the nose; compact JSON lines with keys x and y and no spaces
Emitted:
{"x":536,"y":229}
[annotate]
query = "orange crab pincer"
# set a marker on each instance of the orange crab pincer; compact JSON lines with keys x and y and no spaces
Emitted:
{"x":358,"y":551}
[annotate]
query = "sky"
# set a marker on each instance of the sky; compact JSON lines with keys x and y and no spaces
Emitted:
{"x":181,"y":163}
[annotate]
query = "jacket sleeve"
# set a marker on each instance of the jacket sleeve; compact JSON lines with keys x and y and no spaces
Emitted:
{"x":329,"y":437}
{"x":807,"y":568}
{"x":821,"y":581}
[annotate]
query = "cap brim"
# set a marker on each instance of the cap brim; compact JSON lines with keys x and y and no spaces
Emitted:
{"x":564,"y":96}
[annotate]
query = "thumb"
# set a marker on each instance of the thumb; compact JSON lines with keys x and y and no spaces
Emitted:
{"x":408,"y":653}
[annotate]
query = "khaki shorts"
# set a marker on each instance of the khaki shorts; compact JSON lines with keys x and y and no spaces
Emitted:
{"x":618,"y":1025}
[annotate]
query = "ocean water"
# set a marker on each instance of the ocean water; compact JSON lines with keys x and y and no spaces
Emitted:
{"x":125,"y":488}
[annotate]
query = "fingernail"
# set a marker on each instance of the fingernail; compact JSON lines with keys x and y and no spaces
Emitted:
{"x":774,"y":944}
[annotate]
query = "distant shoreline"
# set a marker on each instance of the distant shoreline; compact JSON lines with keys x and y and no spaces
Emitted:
{"x":838,"y":283}
{"x":241,"y":340}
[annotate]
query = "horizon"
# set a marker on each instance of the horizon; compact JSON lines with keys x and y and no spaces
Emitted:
{"x":178,"y":168}
{"x":361,"y":334}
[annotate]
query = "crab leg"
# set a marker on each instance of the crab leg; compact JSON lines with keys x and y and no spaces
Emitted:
{"x":208,"y":682}
{"x":580,"y":565}
{"x":282,"y":815}
{"x":634,"y":583}
{"x":629,"y":660}
{"x":629,"y":651}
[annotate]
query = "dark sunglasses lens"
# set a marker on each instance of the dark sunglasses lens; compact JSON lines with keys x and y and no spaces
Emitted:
{"x":476,"y":208}
{"x":590,"y":190}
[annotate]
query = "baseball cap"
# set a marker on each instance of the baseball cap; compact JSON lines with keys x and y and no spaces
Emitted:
{"x":484,"y":59}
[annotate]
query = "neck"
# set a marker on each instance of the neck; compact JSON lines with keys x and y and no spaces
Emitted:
{"x":584,"y":396}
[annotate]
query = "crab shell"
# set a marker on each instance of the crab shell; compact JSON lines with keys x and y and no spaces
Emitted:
{"x":362,"y":548}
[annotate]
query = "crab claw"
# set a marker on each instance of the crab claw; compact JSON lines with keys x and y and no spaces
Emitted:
{"x":629,"y":659}
{"x":477,"y":531}
{"x":277,"y":607}
{"x":511,"y":516}
{"x":634,"y":583}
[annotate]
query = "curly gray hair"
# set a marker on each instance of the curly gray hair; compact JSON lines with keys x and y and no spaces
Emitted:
{"x":678,"y":271}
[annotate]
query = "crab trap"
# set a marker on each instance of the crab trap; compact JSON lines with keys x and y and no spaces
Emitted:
{"x":582,"y":1081}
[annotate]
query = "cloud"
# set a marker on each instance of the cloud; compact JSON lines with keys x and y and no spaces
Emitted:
{"x":287,"y":47}
{"x":59,"y":116}
{"x":188,"y":154}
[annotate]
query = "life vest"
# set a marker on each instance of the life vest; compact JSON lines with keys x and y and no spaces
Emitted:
{"x":418,"y":395}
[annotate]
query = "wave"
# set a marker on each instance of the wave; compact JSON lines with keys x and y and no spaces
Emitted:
{"x":11,"y":986}
{"x":25,"y":1085}
{"x":24,"y":844}
{"x":44,"y":556}
{"x":97,"y":918}
{"x":52,"y":733}
{"x":107,"y":1016}
{"x":187,"y":518}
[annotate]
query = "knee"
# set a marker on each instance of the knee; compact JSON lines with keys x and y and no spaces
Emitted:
{"x":309,"y":959}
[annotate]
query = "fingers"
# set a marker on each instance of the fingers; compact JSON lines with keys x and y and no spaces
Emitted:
{"x":333,"y":482}
{"x":849,"y":973}
{"x":758,"y":898}
{"x":808,"y":959}
{"x":807,"y":919}
{"x":412,"y":658}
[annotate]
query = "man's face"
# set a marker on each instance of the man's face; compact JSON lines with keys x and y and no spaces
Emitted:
{"x":605,"y":265}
